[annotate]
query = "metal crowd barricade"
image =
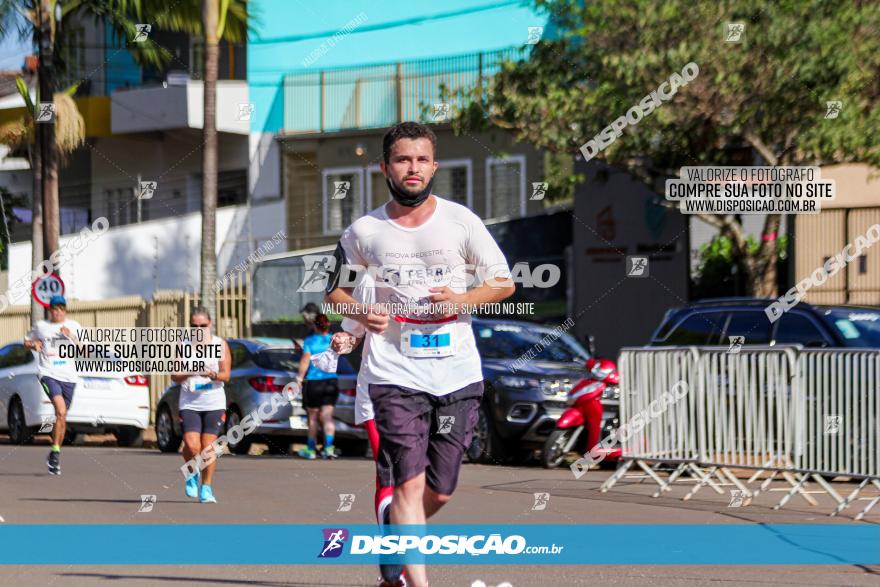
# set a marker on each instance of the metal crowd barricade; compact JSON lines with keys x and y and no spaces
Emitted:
{"x":657,"y":409}
{"x":782,"y":411}
{"x":750,"y":415}
{"x":842,"y":417}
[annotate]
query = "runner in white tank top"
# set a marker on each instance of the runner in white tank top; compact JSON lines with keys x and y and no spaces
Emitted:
{"x":202,"y":406}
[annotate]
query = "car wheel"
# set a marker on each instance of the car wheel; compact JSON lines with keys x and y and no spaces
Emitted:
{"x":486,"y":446}
{"x":129,"y":436}
{"x":233,"y":418}
{"x":166,"y":439}
{"x":19,"y":433}
{"x":554,"y":448}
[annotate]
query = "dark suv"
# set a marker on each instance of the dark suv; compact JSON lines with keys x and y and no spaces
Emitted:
{"x":714,"y":321}
{"x":523,"y":398}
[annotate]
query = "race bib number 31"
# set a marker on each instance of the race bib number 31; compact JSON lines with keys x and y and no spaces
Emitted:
{"x":427,"y":340}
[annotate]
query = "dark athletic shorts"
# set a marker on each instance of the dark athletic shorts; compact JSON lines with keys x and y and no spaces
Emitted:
{"x":210,"y":422}
{"x":318,"y":393}
{"x":53,"y":387}
{"x":421,"y":432}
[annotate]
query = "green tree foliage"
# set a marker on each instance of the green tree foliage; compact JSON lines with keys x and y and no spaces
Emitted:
{"x":764,"y":94}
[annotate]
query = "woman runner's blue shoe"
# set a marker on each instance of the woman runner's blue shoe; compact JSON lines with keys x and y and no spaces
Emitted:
{"x":192,"y":486}
{"x":207,"y":495}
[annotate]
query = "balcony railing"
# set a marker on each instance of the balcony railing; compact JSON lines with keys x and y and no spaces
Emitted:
{"x":376,"y":96}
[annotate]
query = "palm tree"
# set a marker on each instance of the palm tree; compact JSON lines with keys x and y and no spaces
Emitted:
{"x":20,"y":135}
{"x":44,"y":22}
{"x":226,"y":19}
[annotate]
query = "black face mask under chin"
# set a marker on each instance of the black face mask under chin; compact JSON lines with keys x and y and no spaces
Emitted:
{"x":409,"y":200}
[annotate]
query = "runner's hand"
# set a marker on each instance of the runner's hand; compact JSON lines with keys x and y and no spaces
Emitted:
{"x":376,"y":320}
{"x":343,"y":342}
{"x":65,"y":331}
{"x":448,"y":300}
{"x":37,"y":345}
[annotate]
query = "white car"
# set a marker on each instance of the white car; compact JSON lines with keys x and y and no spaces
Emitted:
{"x":116,"y":404}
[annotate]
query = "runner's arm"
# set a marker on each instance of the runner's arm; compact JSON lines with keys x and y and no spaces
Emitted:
{"x":32,"y":340}
{"x":303,"y":366}
{"x":180,"y":377}
{"x":225,"y":365}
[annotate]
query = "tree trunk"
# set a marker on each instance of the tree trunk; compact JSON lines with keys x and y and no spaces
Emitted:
{"x":49,"y":148}
{"x":37,"y":311}
{"x":210,"y":17}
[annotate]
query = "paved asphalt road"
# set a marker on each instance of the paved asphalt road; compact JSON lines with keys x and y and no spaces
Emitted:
{"x":102,"y":484}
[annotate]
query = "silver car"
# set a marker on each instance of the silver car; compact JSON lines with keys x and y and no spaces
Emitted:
{"x":262,"y":367}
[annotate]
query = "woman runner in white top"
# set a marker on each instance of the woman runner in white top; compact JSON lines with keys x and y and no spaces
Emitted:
{"x":202,"y":407}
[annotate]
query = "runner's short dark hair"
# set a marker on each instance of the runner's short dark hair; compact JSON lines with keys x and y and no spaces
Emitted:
{"x":407,"y":130}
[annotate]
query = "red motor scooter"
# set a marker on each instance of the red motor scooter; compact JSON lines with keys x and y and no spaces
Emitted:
{"x":579,"y":426}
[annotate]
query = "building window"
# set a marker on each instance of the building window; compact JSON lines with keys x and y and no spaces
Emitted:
{"x":121,"y":207}
{"x":231,"y":187}
{"x":454,"y":181}
{"x":377,"y":188}
{"x":343,"y":197}
{"x":506,"y":186}
{"x":863,"y":264}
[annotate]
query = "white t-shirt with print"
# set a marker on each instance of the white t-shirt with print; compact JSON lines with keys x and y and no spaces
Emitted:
{"x":51,"y":364}
{"x":443,"y":251}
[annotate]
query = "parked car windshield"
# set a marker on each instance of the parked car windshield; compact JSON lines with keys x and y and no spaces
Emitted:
{"x":511,"y":341}
{"x":859,"y":327}
{"x":288,"y":360}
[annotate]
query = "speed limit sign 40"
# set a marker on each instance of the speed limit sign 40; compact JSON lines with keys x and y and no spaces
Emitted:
{"x":46,"y":286}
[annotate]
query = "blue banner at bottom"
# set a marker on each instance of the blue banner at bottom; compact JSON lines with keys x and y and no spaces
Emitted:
{"x":524,"y":544}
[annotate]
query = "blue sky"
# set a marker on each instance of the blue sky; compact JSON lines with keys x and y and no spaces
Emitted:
{"x":12,"y":51}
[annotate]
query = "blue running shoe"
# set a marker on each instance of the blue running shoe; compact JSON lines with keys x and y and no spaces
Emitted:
{"x":192,"y":486}
{"x":207,"y":495}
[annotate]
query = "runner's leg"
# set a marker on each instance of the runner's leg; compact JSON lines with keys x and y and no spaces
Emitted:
{"x":407,"y":507}
{"x":212,"y":426}
{"x":313,"y":428}
{"x":208,"y":473}
{"x":383,"y":495}
{"x":326,"y":417}
{"x":445,"y":450}
{"x":434,"y":501}
{"x":60,"y":426}
{"x":192,"y":445}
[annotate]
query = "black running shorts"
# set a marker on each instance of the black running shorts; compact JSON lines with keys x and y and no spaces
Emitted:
{"x":423,"y":432}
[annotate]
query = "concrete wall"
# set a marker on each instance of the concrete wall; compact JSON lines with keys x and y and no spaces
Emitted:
{"x":173,"y":107}
{"x":159,"y":254}
{"x":614,"y":217}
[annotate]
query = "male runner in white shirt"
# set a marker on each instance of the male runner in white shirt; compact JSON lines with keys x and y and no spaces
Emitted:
{"x":422,"y":366}
{"x":58,"y":375}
